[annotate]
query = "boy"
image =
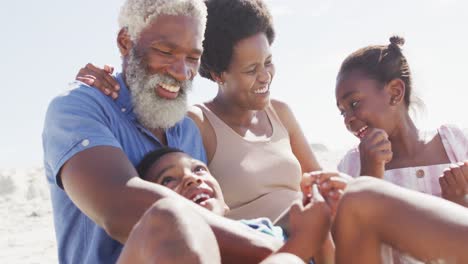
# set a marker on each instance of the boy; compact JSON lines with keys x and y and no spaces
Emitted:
{"x":191,"y":178}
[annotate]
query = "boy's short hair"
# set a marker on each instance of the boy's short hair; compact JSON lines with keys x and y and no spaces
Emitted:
{"x":151,"y":157}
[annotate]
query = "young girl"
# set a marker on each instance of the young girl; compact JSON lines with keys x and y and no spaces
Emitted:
{"x":373,"y":93}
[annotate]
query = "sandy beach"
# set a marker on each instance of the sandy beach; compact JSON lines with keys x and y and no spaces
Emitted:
{"x":27,"y":234}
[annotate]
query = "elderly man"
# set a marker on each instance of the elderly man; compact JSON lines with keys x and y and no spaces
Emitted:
{"x":91,"y":143}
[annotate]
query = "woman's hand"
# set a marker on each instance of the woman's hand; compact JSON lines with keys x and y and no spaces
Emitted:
{"x":376,"y":151}
{"x":454,"y":183}
{"x":102,"y":79}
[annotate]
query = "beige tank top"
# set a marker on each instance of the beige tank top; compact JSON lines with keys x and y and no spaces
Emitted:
{"x":258,"y":178}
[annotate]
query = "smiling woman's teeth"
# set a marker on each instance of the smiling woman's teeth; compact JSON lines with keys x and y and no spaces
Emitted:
{"x":261,"y":91}
{"x":170,"y":88}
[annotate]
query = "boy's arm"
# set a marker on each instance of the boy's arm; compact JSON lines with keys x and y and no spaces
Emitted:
{"x":103,"y":183}
{"x":326,"y":255}
{"x":309,"y":226}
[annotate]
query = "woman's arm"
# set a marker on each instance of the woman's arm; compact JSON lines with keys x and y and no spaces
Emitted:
{"x":299,"y":144}
{"x":102,"y":79}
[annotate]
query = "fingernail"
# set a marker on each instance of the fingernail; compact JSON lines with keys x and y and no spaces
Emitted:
{"x":106,"y":91}
{"x":114,"y":95}
{"x":117,"y":87}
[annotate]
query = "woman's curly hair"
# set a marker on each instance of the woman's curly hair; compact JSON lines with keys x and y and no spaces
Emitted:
{"x":230,"y":21}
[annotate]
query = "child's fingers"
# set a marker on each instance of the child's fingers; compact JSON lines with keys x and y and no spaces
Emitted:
{"x":459,"y":178}
{"x":464,"y":170}
{"x":449,"y":178}
{"x":334,"y":183}
{"x":316,"y":196}
{"x":309,"y":177}
{"x":443,"y":185}
{"x":335,"y":194}
{"x":325,"y":176}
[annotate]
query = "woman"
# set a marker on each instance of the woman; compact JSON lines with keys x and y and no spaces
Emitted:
{"x":254,"y":145}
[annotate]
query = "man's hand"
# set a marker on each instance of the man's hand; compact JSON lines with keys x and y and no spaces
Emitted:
{"x":102,"y":79}
{"x":376,"y":151}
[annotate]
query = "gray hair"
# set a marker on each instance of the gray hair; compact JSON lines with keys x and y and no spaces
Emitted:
{"x":136,"y":15}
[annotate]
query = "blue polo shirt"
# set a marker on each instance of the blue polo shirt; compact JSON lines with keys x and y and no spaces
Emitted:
{"x":84,"y":118}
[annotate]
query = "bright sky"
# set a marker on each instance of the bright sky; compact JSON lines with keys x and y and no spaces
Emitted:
{"x":45,"y":43}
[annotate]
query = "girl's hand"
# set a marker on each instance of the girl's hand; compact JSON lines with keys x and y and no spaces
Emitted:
{"x":454,"y":183}
{"x":102,"y":79}
{"x":375,"y":150}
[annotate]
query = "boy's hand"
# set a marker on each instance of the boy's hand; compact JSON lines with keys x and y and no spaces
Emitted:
{"x":375,"y":150}
{"x":454,"y":183}
{"x":102,"y":79}
{"x":331,"y":186}
{"x":309,"y":226}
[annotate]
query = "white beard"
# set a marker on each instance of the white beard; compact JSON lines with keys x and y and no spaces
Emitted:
{"x":152,"y":111}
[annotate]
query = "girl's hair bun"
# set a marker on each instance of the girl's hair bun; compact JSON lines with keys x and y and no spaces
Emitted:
{"x":397,"y":41}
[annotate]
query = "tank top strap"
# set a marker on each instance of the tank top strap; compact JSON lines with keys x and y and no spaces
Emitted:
{"x":279,"y":130}
{"x":214,"y":120}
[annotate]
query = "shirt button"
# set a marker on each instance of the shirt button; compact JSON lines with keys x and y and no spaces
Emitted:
{"x":123,"y":110}
{"x":85,"y":143}
{"x":420,"y":173}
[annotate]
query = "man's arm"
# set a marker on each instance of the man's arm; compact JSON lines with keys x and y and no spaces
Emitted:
{"x":103,"y":183}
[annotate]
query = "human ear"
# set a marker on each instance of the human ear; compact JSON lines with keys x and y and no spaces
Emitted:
{"x":124,"y":42}
{"x":217,"y":77}
{"x":396,"y":89}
